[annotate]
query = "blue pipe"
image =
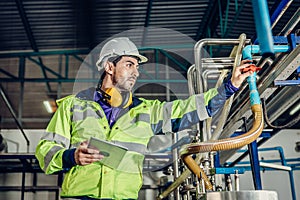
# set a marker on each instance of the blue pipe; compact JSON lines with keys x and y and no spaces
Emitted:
{"x":247,"y":54}
{"x":263,"y":27}
{"x":255,"y":168}
{"x":282,"y":6}
{"x":283,"y":161}
{"x":252,"y":49}
{"x":253,"y":153}
{"x":254,"y":95}
{"x":255,"y":99}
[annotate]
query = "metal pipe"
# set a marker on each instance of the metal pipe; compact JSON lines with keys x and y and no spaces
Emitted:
{"x":175,"y":165}
{"x":197,"y":68}
{"x":241,"y":110}
{"x":185,"y":174}
{"x":190,"y":78}
{"x":291,"y":24}
{"x":227,"y":143}
{"x":280,"y":10}
{"x":228,"y":103}
{"x":254,"y":49}
{"x":200,"y":85}
{"x":198,"y":56}
{"x":274,"y":166}
{"x":263,"y":27}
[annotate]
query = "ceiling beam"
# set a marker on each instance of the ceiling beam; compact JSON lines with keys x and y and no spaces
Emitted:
{"x":148,"y":14}
{"x":26,"y":25}
{"x":30,"y":36}
{"x":84,"y":18}
{"x":211,"y":19}
{"x":236,"y":16}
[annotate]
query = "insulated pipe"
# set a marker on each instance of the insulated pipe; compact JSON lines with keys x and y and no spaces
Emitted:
{"x":227,"y":143}
{"x":263,"y":27}
{"x":264,"y":83}
{"x":198,"y":68}
{"x":199,"y":46}
{"x":247,"y":54}
{"x":185,"y":174}
{"x":253,"y":49}
{"x":223,"y":144}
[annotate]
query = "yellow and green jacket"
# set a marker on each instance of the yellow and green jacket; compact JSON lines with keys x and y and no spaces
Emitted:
{"x":79,"y":117}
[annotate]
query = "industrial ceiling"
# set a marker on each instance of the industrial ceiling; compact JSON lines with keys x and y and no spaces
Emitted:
{"x":44,"y":43}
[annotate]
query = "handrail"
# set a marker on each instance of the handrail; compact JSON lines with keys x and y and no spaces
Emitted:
{"x":228,"y":103}
{"x":6,"y":101}
{"x":200,"y":85}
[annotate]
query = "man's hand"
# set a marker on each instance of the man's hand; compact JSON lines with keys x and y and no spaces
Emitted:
{"x":84,"y":155}
{"x":238,"y":76}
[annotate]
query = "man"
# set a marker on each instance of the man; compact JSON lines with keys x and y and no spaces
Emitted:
{"x":110,"y":112}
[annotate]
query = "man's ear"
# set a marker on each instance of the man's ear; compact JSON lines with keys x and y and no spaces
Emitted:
{"x":108,"y":67}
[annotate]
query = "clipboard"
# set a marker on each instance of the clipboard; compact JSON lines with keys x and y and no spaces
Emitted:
{"x":113,"y":153}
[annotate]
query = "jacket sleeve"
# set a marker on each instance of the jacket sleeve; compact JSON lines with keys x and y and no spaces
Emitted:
{"x":182,"y":114}
{"x":55,"y":140}
{"x":215,"y":103}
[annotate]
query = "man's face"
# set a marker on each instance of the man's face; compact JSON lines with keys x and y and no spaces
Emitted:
{"x":125,"y":73}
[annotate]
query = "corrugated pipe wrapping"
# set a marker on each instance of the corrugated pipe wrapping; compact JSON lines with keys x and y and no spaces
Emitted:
{"x":227,"y":143}
{"x":223,"y":144}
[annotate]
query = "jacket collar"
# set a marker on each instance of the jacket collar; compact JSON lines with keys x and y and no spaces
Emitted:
{"x":87,"y":94}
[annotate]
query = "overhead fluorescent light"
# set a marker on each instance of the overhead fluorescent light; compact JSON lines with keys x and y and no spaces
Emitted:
{"x":295,"y":109}
{"x":50,"y":106}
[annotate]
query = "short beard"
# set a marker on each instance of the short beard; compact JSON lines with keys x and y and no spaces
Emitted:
{"x":120,"y":87}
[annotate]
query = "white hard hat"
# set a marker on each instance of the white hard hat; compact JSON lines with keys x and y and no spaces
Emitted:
{"x":120,"y":46}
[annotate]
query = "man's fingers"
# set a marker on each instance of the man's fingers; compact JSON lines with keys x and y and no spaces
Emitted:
{"x":246,"y":74}
{"x":241,"y":67}
{"x":84,"y":143}
{"x":85,"y":159}
{"x":92,"y":151}
{"x":246,"y":62}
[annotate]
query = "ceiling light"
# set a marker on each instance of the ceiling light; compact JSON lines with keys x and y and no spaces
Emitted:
{"x":295,"y":109}
{"x":50,"y":106}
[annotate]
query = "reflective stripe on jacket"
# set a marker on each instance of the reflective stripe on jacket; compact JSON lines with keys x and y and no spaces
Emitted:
{"x":78,"y":118}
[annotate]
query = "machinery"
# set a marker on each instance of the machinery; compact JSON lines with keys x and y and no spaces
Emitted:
{"x":202,"y":172}
{"x":203,"y":161}
{"x":200,"y":165}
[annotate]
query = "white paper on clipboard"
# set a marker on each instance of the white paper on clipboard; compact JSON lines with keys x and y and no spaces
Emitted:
{"x":113,"y":153}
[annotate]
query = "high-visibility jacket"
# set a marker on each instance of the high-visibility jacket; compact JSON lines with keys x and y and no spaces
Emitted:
{"x":79,"y":117}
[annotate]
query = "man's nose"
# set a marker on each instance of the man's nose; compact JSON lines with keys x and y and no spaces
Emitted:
{"x":136,"y":72}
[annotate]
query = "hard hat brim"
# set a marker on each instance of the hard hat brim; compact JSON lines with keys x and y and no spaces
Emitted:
{"x":142,"y":59}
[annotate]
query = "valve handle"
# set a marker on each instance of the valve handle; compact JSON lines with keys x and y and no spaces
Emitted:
{"x":252,"y":68}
